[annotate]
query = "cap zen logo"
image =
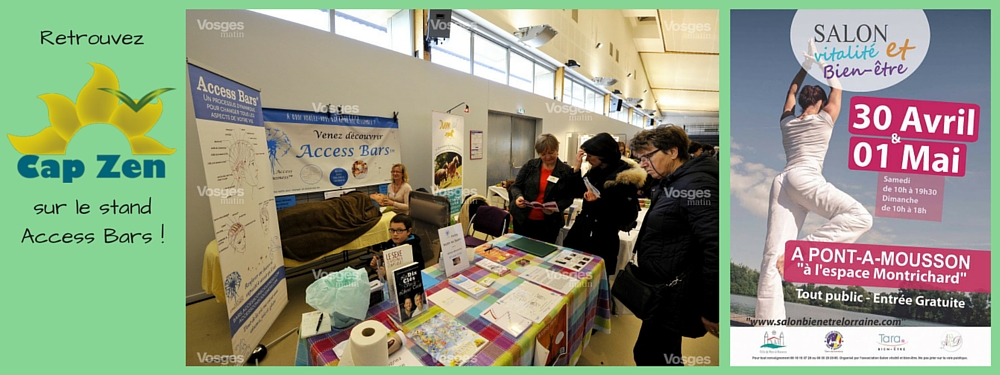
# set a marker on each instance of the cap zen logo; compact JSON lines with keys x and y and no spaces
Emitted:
{"x":101,"y":101}
{"x":97,"y":103}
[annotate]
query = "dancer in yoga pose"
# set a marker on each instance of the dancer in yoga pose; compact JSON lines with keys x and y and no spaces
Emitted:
{"x":801,"y":188}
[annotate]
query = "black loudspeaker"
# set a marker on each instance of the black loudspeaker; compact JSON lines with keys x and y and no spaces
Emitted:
{"x":439,"y":24}
{"x":619,"y":105}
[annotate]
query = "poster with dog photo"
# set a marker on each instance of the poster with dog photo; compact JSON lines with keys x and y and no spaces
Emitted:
{"x":447,"y":164}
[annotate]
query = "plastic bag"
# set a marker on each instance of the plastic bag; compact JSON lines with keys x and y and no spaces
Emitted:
{"x":343,"y":295}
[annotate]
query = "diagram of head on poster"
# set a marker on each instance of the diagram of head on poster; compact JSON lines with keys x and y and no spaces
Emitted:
{"x":447,"y":146}
{"x":310,"y":151}
{"x":235,"y":153}
{"x":867,"y":242}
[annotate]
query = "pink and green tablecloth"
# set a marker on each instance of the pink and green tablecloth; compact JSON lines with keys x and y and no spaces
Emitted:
{"x":588,"y":304}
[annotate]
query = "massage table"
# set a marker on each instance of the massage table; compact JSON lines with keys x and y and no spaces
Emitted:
{"x":211,"y":271}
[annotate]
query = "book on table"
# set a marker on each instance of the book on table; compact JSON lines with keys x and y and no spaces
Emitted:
{"x":409,"y":291}
{"x":447,"y":340}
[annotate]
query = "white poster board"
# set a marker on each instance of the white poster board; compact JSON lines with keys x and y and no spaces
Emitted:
{"x":234,"y":150}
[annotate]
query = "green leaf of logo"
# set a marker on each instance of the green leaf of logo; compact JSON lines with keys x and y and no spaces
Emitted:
{"x":136,"y":106}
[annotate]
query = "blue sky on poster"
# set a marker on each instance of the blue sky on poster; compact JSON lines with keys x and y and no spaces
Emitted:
{"x":956,"y":69}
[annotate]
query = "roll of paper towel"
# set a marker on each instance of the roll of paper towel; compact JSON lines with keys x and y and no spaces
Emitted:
{"x":368,"y":344}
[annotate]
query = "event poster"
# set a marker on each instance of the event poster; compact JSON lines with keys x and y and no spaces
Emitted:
{"x":234,"y":148}
{"x":447,"y":151}
{"x":311,"y":152}
{"x":860,"y":186}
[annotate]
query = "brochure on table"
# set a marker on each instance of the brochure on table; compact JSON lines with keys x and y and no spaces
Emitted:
{"x":572,"y":260}
{"x":503,"y":317}
{"x":454,"y":258}
{"x":531,"y":301}
{"x":450,"y":301}
{"x":550,"y":279}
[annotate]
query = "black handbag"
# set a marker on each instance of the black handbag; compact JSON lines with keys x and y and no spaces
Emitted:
{"x":659,"y":303}
{"x":645,"y":300}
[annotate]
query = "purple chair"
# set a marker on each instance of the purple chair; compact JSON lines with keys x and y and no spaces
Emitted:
{"x":492,"y":221}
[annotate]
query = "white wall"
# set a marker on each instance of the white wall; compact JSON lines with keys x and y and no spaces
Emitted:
{"x":295,"y":66}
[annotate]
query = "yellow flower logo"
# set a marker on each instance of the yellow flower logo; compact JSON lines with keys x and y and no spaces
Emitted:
{"x":97,"y":103}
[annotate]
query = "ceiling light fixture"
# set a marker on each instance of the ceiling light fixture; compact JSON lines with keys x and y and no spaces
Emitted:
{"x":535,"y":36}
{"x":572,"y":64}
{"x":605,"y":81}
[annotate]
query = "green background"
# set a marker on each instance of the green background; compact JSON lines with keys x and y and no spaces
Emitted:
{"x":120,"y":307}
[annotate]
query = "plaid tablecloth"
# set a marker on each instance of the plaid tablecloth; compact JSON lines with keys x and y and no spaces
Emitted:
{"x":588,"y":304}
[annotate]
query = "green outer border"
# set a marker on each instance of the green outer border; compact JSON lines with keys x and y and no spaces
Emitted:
{"x":166,"y":340}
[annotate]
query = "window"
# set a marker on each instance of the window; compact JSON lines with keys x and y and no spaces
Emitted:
{"x":455,"y":52}
{"x":637,"y":117}
{"x":589,"y":100}
{"x":490,"y":59}
{"x":567,"y":90}
{"x":620,"y":115}
{"x":386,"y":28}
{"x":579,"y":95}
{"x":545,"y":81}
{"x":316,"y":18}
{"x":522,"y":73}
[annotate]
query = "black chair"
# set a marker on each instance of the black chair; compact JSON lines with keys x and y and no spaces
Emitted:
{"x":489,"y":220}
{"x":429,"y":213}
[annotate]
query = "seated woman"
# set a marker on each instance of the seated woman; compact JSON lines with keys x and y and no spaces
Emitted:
{"x":398,"y":195}
{"x":401,"y":231}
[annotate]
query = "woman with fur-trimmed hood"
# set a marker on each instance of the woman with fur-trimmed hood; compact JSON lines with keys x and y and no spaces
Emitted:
{"x":613,"y":207}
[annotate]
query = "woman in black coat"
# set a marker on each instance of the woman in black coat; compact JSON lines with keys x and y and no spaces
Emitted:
{"x":679,"y":240}
{"x":617,"y":180}
{"x":544,"y":179}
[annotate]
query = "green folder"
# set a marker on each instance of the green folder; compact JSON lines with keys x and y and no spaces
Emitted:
{"x":530,"y":246}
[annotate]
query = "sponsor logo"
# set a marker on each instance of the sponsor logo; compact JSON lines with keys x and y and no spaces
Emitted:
{"x":774,"y":340}
{"x":834,"y":341}
{"x":891,"y":342}
{"x":952,"y":341}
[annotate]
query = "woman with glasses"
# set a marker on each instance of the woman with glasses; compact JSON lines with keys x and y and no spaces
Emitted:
{"x":400,"y":233}
{"x":398,"y":195}
{"x":679,"y":240}
{"x":801,"y":188}
{"x":542,"y":180}
{"x":611,"y":206}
